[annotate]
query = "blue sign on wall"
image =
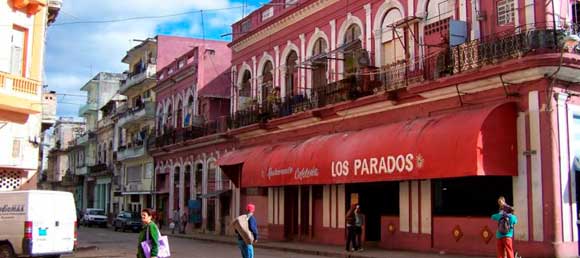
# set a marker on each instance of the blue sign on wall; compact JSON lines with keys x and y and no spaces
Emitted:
{"x":194,"y":211}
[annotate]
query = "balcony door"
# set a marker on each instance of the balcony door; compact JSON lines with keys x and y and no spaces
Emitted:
{"x":18,"y":50}
{"x":393,"y":39}
{"x":319,"y":65}
{"x":291,"y":76}
{"x":269,"y":95}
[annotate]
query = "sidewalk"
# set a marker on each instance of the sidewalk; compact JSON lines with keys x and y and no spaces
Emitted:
{"x":316,"y":249}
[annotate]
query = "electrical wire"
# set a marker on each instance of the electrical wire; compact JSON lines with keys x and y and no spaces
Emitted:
{"x":145,"y":17}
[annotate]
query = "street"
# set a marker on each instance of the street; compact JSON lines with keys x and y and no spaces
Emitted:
{"x":109,"y":243}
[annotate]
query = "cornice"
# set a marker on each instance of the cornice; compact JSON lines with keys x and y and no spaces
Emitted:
{"x":282,"y":24}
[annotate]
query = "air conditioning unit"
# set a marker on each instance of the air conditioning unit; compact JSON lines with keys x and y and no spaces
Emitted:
{"x":55,"y":4}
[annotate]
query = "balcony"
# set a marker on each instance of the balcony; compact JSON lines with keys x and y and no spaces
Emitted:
{"x":388,"y":80}
{"x":105,"y":121}
{"x":19,"y":94}
{"x":137,"y":78}
{"x":134,"y":151}
{"x":100,"y":170}
{"x":89,"y":107}
{"x":137,"y":114}
{"x":200,"y":128}
{"x":69,"y":179}
{"x":82,"y":170}
{"x":84,"y":138}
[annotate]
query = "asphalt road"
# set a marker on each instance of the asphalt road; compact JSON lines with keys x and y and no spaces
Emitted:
{"x":108,"y":243}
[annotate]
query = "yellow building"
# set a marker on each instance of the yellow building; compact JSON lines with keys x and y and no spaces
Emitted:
{"x":22,"y":37}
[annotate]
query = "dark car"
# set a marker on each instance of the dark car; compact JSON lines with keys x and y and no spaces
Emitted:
{"x":127,"y":220}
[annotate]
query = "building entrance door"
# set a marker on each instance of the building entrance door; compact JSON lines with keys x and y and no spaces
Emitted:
{"x":375,"y":200}
{"x":291,"y":212}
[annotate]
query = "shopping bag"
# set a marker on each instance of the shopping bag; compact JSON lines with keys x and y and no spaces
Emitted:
{"x":162,"y":250}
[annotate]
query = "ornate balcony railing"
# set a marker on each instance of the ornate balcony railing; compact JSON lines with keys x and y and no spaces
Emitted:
{"x":478,"y":53}
{"x":100,"y":168}
{"x":467,"y":57}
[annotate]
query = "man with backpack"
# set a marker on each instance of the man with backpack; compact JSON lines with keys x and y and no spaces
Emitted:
{"x":505,"y":229}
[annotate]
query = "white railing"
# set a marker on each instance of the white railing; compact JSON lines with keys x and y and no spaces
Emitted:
{"x":19,"y":86}
{"x":129,"y":153}
{"x":148,"y":73}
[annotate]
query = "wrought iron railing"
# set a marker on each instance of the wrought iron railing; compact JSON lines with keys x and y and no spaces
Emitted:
{"x":467,"y":57}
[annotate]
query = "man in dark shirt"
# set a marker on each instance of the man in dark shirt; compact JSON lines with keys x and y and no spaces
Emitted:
{"x":248,"y":249}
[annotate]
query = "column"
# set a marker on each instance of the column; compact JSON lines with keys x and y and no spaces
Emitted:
{"x":368,"y":26}
{"x":302,"y":72}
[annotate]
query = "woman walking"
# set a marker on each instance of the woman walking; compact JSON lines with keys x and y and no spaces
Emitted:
{"x":149,"y":228}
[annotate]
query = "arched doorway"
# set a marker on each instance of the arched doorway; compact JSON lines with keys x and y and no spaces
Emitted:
{"x":319,"y":64}
{"x":291,"y":75}
{"x":269,"y":95}
{"x":352,"y":50}
{"x":176,"y":178}
{"x":179,"y":116}
{"x":245,"y":92}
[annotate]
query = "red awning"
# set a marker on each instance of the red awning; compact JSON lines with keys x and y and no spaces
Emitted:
{"x":469,"y":143}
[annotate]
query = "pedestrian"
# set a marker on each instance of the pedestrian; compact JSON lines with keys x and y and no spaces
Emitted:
{"x":248,"y":249}
{"x":351,"y":229}
{"x":183,"y":222}
{"x":148,"y":227}
{"x":175,"y":221}
{"x":160,"y":219}
{"x":505,"y":229}
{"x":359,"y":222}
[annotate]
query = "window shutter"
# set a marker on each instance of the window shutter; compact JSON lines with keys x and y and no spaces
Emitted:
{"x":16,"y":62}
{"x":16,"y":148}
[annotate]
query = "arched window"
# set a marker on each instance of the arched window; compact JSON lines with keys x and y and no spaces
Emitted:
{"x":179,"y":115}
{"x":189,"y":112}
{"x":169,"y":122}
{"x":352,"y":39}
{"x":246,"y":87}
{"x":291,"y":77}
{"x":160,"y":123}
{"x":268,"y":93}
{"x":392,"y":39}
{"x":352,"y":33}
{"x":319,"y":65}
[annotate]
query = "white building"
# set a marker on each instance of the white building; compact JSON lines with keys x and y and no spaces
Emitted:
{"x":21,"y":66}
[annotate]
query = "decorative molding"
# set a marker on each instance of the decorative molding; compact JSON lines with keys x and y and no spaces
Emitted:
{"x":283,"y":23}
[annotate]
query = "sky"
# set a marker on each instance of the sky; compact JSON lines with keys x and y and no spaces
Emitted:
{"x":89,"y":37}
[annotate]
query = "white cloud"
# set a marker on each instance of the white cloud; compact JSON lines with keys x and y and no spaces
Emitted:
{"x":76,"y":52}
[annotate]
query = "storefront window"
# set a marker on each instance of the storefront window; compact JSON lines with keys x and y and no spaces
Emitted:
{"x":470,"y":196}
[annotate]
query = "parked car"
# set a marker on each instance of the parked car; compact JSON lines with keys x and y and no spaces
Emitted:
{"x":37,"y":223}
{"x":94,"y":216}
{"x":126,"y":220}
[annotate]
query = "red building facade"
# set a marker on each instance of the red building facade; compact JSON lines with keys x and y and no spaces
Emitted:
{"x":192,"y":104}
{"x":423,"y":112}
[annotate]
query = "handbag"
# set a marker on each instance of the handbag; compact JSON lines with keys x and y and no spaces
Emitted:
{"x":162,"y":250}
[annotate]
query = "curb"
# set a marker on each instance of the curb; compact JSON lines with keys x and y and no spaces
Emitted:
{"x":278,"y":248}
{"x":85,"y":248}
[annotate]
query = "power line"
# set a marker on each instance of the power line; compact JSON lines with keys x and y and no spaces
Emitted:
{"x":70,"y":103}
{"x":70,"y":95}
{"x":145,"y":17}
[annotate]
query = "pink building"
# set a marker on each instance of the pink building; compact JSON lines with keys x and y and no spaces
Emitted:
{"x":192,"y":103}
{"x":423,"y":112}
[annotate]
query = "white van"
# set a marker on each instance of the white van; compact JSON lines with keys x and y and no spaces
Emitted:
{"x":37,"y":223}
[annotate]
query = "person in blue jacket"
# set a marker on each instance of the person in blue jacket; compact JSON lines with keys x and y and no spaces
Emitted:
{"x":248,"y":249}
{"x":505,"y":240}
